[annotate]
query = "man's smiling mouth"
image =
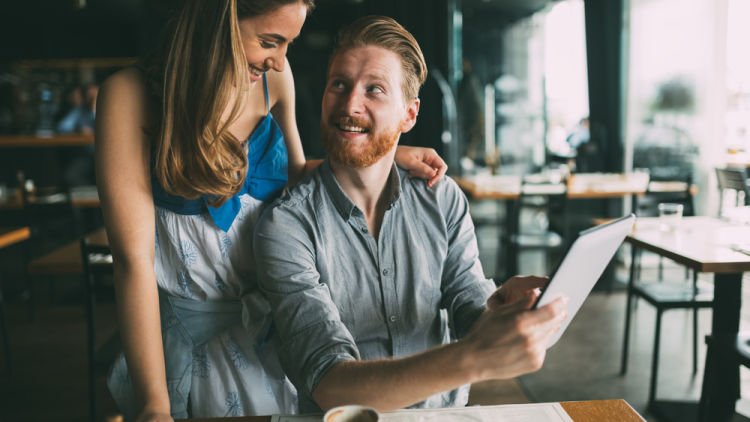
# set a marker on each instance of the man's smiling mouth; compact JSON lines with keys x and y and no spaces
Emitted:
{"x":350,"y":128}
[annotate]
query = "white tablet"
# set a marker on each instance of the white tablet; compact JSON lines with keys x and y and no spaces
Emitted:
{"x":582,"y":266}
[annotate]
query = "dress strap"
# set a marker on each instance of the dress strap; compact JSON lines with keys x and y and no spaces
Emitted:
{"x":265,"y":91}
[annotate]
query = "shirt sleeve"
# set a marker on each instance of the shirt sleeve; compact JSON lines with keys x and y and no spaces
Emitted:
{"x":311,"y":335}
{"x":464,"y":287}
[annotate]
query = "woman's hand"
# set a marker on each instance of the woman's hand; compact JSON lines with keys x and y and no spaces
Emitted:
{"x":420,"y":162}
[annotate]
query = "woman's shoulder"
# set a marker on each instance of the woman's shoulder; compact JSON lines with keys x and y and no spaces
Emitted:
{"x":127,"y":91}
{"x":126,"y":85}
{"x":128,"y":78}
{"x":280,"y":84}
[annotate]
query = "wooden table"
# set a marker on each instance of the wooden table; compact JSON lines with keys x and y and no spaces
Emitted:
{"x":12,"y":235}
{"x":739,"y":160}
{"x":33,"y":141}
{"x":704,"y":244}
{"x":579,"y":411}
{"x":80,"y":197}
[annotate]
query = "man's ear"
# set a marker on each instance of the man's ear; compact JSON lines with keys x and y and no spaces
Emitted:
{"x":412,"y":110}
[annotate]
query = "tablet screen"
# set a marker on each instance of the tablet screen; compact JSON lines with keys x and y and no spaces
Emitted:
{"x":582,"y":266}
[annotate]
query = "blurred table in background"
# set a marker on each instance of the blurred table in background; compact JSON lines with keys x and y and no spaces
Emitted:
{"x":32,"y":141}
{"x":579,"y":186}
{"x":80,"y":197}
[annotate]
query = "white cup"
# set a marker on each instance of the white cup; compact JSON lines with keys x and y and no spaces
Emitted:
{"x":351,"y":413}
{"x":669,"y":216}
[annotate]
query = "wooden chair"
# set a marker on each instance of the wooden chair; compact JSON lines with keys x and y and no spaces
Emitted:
{"x":9,"y":237}
{"x":686,"y":293}
{"x":664,"y":191}
{"x":96,"y":262}
{"x":518,"y":238}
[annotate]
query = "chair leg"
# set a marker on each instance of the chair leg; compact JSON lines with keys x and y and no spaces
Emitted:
{"x":628,"y":310}
{"x":655,"y":359}
{"x":91,"y":344}
{"x":695,"y":324}
{"x":4,"y":334}
{"x":661,"y":269}
{"x":695,"y":341}
{"x":637,"y":257}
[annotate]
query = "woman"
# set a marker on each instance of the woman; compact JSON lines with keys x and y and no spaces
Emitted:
{"x":192,"y":142}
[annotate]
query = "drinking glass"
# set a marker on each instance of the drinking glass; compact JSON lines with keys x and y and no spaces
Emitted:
{"x":669,"y":216}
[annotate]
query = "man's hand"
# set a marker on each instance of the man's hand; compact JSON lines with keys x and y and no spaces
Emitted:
{"x":424,"y":163}
{"x":511,"y":339}
{"x":517,"y":288}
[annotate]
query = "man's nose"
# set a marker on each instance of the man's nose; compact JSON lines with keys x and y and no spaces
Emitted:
{"x":352,"y":102}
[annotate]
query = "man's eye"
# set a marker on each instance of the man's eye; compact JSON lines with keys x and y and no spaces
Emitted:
{"x":337,"y":85}
{"x":376,"y":90}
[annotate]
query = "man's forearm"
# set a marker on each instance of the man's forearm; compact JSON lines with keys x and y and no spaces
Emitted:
{"x":396,"y":383}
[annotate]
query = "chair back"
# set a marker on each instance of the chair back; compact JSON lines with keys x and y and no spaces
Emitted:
{"x":547,"y":198}
{"x":647,"y":205}
{"x":734,"y":180}
{"x":49,"y":211}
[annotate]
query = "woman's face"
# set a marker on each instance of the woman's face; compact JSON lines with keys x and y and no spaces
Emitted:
{"x":266,"y":37}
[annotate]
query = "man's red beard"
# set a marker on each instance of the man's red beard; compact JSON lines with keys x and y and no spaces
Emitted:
{"x":350,"y":153}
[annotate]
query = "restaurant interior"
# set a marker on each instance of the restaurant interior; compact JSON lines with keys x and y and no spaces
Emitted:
{"x":553,"y":116}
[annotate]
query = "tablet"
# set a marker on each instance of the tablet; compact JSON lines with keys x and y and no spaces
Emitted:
{"x":582,"y":266}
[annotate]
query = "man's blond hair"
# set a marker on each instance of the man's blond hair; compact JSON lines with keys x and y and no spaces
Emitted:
{"x":385,"y":32}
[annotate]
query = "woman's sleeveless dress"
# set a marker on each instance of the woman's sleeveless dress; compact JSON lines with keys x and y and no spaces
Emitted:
{"x":215,"y":323}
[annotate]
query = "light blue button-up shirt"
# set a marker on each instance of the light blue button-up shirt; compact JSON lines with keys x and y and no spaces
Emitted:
{"x":339,"y":294}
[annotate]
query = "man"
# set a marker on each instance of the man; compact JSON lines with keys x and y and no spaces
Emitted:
{"x":358,"y":260}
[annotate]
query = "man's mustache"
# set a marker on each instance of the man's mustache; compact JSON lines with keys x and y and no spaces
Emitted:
{"x":351,"y":121}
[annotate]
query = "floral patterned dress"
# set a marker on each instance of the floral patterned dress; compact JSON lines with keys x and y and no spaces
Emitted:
{"x":215,"y":323}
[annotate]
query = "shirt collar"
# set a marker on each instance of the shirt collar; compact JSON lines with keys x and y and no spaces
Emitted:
{"x":341,"y":201}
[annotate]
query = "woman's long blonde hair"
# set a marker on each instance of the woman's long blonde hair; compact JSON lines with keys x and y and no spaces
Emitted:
{"x":196,"y":75}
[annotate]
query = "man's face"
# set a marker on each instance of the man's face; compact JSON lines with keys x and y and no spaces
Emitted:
{"x":364,"y":110}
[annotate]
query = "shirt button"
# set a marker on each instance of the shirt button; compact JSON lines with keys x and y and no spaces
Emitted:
{"x":393,"y":318}
{"x":363,"y":229}
{"x":386,"y":271}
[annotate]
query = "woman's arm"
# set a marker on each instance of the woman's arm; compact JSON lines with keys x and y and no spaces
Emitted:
{"x":122,"y":174}
{"x":281,"y":91}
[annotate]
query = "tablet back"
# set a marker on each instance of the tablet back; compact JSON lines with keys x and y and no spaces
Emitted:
{"x":582,"y":266}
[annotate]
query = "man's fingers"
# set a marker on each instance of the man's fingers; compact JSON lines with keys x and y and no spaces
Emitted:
{"x":495,"y":300}
{"x":532,"y":281}
{"x":556,"y":311}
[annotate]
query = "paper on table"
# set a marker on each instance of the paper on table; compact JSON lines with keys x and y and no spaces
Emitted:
{"x":534,"y":412}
